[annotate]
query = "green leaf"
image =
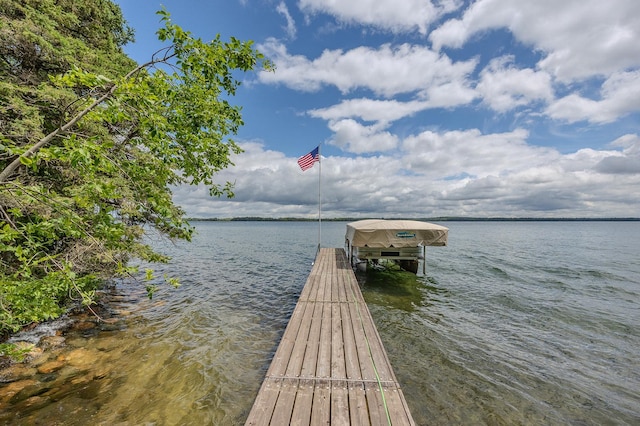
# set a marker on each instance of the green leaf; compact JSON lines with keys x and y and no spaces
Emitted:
{"x":27,"y":161}
{"x":148,"y":274}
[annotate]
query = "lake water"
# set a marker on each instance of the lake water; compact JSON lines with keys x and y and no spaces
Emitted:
{"x":515,"y":323}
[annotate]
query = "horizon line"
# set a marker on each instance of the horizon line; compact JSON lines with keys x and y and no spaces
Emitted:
{"x":434,"y":218}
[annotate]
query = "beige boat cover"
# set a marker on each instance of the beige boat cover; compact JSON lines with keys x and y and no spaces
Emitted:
{"x":395,"y":233}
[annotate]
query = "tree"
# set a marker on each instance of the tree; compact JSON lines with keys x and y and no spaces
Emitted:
{"x":91,"y":144}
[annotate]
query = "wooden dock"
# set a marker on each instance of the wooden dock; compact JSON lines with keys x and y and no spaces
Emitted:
{"x":330,"y":366}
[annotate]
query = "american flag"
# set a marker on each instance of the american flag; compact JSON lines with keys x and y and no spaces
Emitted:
{"x":306,"y":161}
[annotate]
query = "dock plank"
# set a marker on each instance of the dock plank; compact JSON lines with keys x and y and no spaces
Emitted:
{"x":310,"y":362}
{"x":283,"y":353}
{"x":352,"y":363}
{"x":321,"y":410}
{"x":323,"y":369}
{"x":263,"y":407}
{"x":301,"y":415}
{"x":299,"y":346}
{"x":330,"y":366}
{"x":398,"y":409}
{"x":358,"y":410}
{"x":338,"y":367}
{"x":284,"y":406}
{"x":339,"y":403}
{"x":377,"y":413}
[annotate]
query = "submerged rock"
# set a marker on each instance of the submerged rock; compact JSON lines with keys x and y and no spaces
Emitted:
{"x":84,"y":325}
{"x":51,"y":366}
{"x":49,"y":342}
{"x":79,"y":358}
{"x":29,"y":390}
{"x":17,"y":372}
{"x":13,"y":388}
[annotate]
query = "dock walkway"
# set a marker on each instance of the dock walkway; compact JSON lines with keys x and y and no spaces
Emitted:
{"x":330,"y":366}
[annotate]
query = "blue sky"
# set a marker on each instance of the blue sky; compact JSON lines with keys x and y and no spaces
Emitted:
{"x":426,"y":107}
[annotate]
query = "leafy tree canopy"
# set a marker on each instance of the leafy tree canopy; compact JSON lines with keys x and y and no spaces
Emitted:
{"x":91,"y":143}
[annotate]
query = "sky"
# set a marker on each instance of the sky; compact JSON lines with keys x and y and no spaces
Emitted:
{"x":425,"y":108}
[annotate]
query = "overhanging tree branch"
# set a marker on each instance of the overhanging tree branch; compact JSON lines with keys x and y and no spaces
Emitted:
{"x":92,"y":188}
{"x":13,"y":166}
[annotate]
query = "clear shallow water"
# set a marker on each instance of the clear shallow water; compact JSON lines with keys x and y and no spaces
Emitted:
{"x":515,"y":323}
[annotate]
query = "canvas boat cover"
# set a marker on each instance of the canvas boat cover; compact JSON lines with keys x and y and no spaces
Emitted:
{"x":395,"y":233}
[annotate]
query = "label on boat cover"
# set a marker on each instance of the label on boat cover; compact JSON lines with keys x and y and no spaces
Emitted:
{"x":405,"y":234}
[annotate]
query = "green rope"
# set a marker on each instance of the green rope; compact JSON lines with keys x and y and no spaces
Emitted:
{"x":384,"y":400}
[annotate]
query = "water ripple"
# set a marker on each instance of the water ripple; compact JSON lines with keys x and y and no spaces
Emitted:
{"x":515,"y":323}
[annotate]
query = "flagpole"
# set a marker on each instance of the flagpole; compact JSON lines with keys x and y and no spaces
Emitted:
{"x":319,"y":197}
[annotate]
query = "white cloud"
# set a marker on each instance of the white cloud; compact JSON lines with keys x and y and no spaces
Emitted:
{"x":435,"y":81}
{"x":391,"y":15}
{"x":352,"y":136}
{"x":619,"y":96}
{"x":386,"y":71}
{"x":370,"y":110}
{"x":450,"y":94}
{"x":629,"y":143}
{"x":291,"y":25}
{"x":504,"y":87}
{"x":470,"y":153}
{"x":579,"y":38}
{"x":389,"y":110}
{"x":625,"y":162}
{"x":581,"y":42}
{"x":454,"y":173}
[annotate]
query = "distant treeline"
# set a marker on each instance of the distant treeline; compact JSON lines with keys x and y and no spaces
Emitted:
{"x":428,"y":219}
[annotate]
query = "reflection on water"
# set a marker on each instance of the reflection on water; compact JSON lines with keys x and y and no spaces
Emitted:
{"x":515,"y":323}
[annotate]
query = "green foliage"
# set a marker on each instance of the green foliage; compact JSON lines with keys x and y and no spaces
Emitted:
{"x":91,"y":144}
{"x":15,"y":353}
{"x":29,"y":299}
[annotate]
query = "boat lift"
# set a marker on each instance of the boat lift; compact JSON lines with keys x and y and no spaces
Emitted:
{"x":402,"y":241}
